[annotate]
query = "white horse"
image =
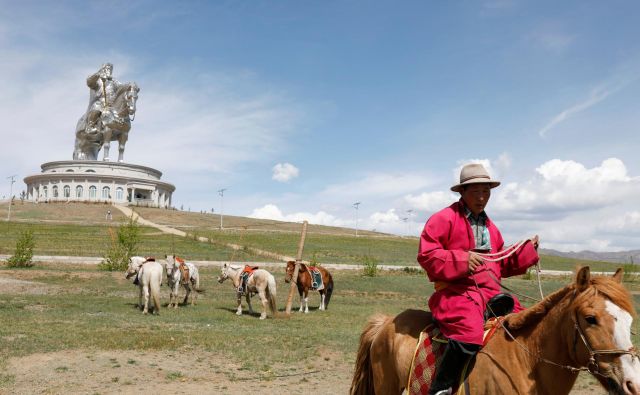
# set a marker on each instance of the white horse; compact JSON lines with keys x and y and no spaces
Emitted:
{"x":260,"y":281}
{"x":148,"y":274}
{"x":182,"y":273}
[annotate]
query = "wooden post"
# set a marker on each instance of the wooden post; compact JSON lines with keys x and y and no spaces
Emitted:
{"x":294,"y":278}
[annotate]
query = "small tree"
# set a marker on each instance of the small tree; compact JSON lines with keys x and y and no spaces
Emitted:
{"x":24,"y":251}
{"x":123,"y":246}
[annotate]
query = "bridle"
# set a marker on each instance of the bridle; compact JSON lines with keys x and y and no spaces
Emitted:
{"x":593,"y":366}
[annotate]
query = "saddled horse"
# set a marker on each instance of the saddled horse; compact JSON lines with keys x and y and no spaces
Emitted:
{"x":306,"y":283}
{"x":148,"y":273}
{"x":182,"y":273}
{"x":113,"y":124}
{"x":583,"y":326}
{"x":259,"y":281}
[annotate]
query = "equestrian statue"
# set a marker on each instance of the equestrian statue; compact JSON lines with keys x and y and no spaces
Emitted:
{"x":112,"y":108}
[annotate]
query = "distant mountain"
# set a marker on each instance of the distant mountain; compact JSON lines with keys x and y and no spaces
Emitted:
{"x":617,"y":257}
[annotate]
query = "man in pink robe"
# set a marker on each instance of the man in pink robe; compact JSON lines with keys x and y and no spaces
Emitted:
{"x":464,"y":282}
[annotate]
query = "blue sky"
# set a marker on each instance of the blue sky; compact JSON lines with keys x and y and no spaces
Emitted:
{"x":300,"y":109}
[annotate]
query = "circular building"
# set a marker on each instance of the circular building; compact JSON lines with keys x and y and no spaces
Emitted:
{"x":96,"y":181}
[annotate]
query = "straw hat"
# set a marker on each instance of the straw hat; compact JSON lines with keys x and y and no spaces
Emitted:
{"x":474,"y":173}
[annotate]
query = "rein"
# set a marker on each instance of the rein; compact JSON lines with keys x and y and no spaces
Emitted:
{"x":504,"y":254}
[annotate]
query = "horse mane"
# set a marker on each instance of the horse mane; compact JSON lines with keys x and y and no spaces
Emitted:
{"x":612,"y":290}
{"x":604,"y":285}
{"x":538,"y":311}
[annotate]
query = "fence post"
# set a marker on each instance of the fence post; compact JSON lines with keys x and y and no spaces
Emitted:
{"x":294,"y":278}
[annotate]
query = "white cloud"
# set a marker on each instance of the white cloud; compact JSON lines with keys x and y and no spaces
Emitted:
{"x":431,"y":201}
{"x":284,"y":172}
{"x":565,"y":186}
{"x":271,"y":211}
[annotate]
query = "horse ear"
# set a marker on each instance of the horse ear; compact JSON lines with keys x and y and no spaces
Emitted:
{"x":583,"y":278}
{"x":617,"y":276}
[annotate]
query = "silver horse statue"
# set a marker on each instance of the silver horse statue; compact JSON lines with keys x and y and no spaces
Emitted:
{"x":112,"y":108}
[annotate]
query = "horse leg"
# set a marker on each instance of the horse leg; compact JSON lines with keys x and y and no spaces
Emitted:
{"x":306,"y":301}
{"x":301,"y":300}
{"x":321,"y":300}
{"x":122,"y":140}
{"x":239,"y":297}
{"x":145,"y":290}
{"x":187,"y":292}
{"x":249,"y":302}
{"x":263,"y":299}
{"x":107,"y":144}
{"x":140,"y":305}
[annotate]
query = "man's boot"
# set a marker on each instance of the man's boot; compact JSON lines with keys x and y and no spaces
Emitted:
{"x":456,"y":355}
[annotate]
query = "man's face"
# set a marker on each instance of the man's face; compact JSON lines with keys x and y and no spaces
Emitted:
{"x":106,"y":72}
{"x":476,"y":197}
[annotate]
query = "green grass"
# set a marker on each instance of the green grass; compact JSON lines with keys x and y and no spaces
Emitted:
{"x":93,"y":240}
{"x":99,"y":306}
{"x":81,"y":230}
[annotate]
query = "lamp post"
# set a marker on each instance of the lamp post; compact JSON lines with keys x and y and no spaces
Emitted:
{"x":409,"y":214}
{"x":221,"y":193}
{"x":356,"y":205}
{"x":10,"y":195}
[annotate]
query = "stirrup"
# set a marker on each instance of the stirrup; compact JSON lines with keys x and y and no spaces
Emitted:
{"x":448,"y":391}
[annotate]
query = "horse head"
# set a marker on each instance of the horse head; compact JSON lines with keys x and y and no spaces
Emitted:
{"x":228,"y":271}
{"x":596,"y":313}
{"x":602,"y":316}
{"x":291,"y":266}
{"x":131,"y":97}
{"x":134,"y":265}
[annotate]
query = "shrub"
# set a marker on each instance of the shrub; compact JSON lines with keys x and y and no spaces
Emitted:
{"x":123,"y":246}
{"x":413,"y":270}
{"x":24,"y":251}
{"x":370,"y":265}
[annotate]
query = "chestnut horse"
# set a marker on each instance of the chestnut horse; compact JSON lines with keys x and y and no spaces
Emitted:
{"x":305,"y":283}
{"x":583,"y":326}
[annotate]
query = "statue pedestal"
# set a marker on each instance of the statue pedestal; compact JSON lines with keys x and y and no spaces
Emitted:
{"x":98,"y":181}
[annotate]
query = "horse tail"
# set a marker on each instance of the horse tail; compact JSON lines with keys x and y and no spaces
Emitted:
{"x":362,"y":383}
{"x":271,"y":294}
{"x":328,"y":292}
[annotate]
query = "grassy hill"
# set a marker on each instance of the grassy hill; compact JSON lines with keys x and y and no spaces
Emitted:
{"x":78,"y":229}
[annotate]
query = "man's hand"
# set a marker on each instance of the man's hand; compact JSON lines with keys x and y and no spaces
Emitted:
{"x":535,"y":240}
{"x":473,"y":262}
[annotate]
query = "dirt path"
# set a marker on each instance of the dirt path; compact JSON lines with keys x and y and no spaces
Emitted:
{"x":186,"y":372}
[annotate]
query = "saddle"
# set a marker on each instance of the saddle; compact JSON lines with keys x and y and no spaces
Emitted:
{"x":185,"y":276}
{"x":431,"y":346}
{"x":316,"y":278}
{"x":247,"y":272}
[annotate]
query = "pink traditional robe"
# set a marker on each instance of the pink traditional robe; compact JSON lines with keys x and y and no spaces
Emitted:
{"x":458,"y":304}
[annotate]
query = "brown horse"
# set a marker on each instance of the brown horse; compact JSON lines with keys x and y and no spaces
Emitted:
{"x":305,"y":283}
{"x":583,"y":326}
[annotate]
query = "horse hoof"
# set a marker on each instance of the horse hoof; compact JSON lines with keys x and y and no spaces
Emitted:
{"x":263,"y":318}
{"x":238,"y":313}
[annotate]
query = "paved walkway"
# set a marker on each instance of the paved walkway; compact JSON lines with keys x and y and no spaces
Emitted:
{"x":166,"y":229}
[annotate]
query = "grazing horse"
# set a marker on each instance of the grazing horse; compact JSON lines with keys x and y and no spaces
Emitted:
{"x":306,"y":282}
{"x":583,"y":326}
{"x":259,"y":281}
{"x":182,"y":273}
{"x":148,"y":274}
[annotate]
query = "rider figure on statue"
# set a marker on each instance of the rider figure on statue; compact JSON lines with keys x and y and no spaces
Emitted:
{"x":103,"y":89}
{"x":451,"y":247}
